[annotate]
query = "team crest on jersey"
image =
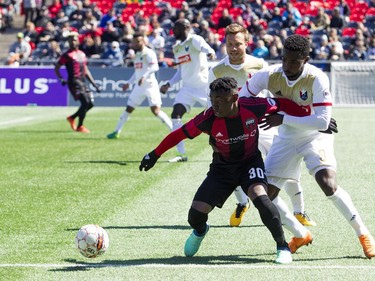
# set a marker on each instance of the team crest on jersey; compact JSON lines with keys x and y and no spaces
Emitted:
{"x":278,"y":93}
{"x":184,"y":59}
{"x":303,"y":94}
{"x":187,"y":48}
{"x":250,"y":123}
{"x":271,"y":102}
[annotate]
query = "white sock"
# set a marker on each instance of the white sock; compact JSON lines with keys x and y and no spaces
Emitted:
{"x":165,"y":119}
{"x":342,"y":201}
{"x":294,"y":190}
{"x":177,"y":123}
{"x":241,"y":196}
{"x":288,"y":220}
{"x":121,"y":122}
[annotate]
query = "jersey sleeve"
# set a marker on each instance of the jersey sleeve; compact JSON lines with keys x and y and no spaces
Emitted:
{"x":62,"y":60}
{"x":188,"y":130}
{"x":322,"y":108}
{"x":171,"y":140}
{"x":201,"y":45}
{"x":255,"y":84}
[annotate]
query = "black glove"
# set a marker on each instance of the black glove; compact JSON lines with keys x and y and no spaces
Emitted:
{"x":63,"y":82}
{"x":97,"y":88}
{"x":332,"y":128}
{"x":148,"y":161}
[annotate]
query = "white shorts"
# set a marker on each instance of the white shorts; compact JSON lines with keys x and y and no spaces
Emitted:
{"x":149,"y":90}
{"x":284,"y":159}
{"x":188,"y":96}
{"x":266,"y":138}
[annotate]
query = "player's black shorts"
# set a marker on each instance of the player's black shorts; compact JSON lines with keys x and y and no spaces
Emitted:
{"x":222,"y":180}
{"x":78,"y":89}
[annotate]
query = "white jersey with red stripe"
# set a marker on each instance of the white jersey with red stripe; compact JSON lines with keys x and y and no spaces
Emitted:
{"x":145,"y":64}
{"x":311,"y":89}
{"x":191,"y":56}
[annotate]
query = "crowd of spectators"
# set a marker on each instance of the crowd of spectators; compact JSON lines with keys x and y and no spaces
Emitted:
{"x":338,"y":29}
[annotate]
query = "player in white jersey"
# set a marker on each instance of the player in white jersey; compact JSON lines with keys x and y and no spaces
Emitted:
{"x":304,"y":138}
{"x":242,"y":66}
{"x":146,"y":85}
{"x":191,"y":52}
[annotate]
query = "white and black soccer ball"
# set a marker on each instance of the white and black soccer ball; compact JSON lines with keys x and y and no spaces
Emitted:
{"x":92,"y":241}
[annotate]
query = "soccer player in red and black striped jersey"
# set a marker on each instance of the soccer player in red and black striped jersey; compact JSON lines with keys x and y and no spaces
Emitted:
{"x":75,"y":62}
{"x":232,"y":126}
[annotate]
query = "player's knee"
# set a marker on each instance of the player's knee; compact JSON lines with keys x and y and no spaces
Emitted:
{"x":326,"y":179}
{"x":196,"y":219}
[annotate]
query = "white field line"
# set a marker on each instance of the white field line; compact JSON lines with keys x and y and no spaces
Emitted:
{"x":156,"y":265}
{"x":17,"y":121}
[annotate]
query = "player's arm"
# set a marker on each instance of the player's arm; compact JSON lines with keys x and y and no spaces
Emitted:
{"x":176,"y":78}
{"x":254,"y":85}
{"x":201,"y":45}
{"x":58,"y":73}
{"x":274,"y":105}
{"x":322,"y":109}
{"x":90,"y":78}
{"x":189,"y":130}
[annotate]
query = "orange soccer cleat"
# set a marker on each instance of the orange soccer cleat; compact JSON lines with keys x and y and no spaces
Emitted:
{"x":72,"y":123}
{"x":368,"y":245}
{"x":296,"y":242}
{"x":83,"y":129}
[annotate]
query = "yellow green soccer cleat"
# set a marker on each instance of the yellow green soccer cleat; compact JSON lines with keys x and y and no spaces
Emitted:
{"x":238,"y":214}
{"x":304,"y":219}
{"x":193,"y":243}
{"x":114,"y":135}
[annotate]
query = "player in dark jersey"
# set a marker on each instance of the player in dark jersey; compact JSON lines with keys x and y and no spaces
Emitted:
{"x":75,"y":62}
{"x":232,"y":126}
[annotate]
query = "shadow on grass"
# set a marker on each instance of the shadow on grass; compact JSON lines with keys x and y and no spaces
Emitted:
{"x":172,"y":261}
{"x":173,"y":227}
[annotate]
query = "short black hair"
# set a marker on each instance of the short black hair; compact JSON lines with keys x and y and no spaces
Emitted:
{"x":138,"y":34}
{"x":297,"y":43}
{"x":224,"y":85}
{"x":182,"y":22}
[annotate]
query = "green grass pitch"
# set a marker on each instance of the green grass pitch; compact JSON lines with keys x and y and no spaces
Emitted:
{"x":54,"y":180}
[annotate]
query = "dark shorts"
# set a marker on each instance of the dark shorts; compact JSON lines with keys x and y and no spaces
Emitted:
{"x":222,"y":180}
{"x":78,"y":89}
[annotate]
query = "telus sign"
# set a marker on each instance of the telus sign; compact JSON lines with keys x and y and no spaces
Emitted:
{"x":39,"y":86}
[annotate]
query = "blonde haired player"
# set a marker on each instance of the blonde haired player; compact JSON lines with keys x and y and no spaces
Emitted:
{"x":241,"y":67}
{"x":191,"y":52}
{"x":146,"y":85}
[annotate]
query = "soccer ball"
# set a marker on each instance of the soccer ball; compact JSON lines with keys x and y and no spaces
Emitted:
{"x":92,"y":241}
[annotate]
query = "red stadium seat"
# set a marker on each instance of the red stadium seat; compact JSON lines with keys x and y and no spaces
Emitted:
{"x":348,"y":32}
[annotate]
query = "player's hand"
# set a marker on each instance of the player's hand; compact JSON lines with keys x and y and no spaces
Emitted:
{"x":211,"y":56}
{"x":148,"y":161}
{"x":270,"y":121}
{"x":63,"y":82}
{"x":164,"y":88}
{"x":125,"y":87}
{"x":97,"y":88}
{"x":332,"y":128}
{"x":140,"y":82}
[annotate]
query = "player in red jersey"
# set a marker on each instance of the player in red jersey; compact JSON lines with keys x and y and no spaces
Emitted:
{"x":232,"y":126}
{"x":75,"y":62}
